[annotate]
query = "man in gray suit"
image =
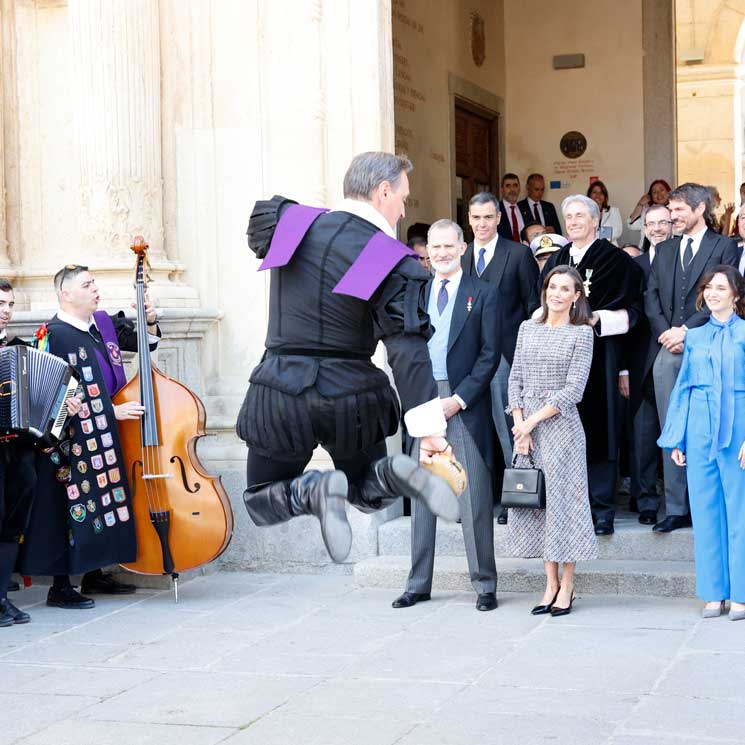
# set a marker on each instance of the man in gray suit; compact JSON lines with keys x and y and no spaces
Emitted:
{"x":464,"y":351}
{"x":670,"y":305}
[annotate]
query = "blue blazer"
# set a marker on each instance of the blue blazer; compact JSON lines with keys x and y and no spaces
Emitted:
{"x":473,"y":356}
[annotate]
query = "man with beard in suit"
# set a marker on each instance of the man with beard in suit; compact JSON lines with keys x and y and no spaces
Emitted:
{"x":510,"y":267}
{"x":638,"y":384}
{"x":464,"y":353}
{"x":613,"y":285}
{"x":511,"y":219}
{"x":535,"y":207}
{"x":670,"y":305}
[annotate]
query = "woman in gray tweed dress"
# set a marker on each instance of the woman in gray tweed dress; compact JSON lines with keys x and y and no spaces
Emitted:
{"x":547,"y":381}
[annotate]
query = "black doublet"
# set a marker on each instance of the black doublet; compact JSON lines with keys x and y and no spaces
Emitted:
{"x":319,"y":344}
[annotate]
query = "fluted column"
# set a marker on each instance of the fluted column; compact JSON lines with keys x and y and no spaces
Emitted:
{"x":116,"y":64}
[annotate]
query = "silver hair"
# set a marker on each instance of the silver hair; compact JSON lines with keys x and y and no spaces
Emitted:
{"x":368,"y":170}
{"x":591,"y":204}
{"x":445,"y":223}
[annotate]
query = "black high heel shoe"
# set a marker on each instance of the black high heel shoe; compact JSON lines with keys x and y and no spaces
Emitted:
{"x":540,"y":610}
{"x":563,"y":611}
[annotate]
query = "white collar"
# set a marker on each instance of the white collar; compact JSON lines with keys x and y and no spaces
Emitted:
{"x":578,"y":254}
{"x":490,"y":246}
{"x":533,"y":201}
{"x":696,"y":236}
{"x":3,"y":334}
{"x":76,"y":322}
{"x":366,"y":211}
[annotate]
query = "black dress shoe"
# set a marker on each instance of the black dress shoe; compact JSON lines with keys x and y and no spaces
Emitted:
{"x":604,"y":527}
{"x":13,"y":586}
{"x":105,"y":584}
{"x":672,"y":522}
{"x":486,"y":601}
{"x":563,"y":611}
{"x":502,"y":518}
{"x":647,"y":517}
{"x":16,"y":614}
{"x":410,"y":598}
{"x":540,"y":610}
{"x":68,"y":597}
{"x":6,"y":617}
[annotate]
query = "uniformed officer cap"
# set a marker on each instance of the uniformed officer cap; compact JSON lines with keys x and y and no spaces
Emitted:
{"x":547,"y":244}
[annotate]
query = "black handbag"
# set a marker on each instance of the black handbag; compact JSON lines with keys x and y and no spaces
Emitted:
{"x":524,"y":488}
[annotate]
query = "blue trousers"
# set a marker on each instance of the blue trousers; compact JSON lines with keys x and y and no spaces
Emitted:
{"x":716,"y":490}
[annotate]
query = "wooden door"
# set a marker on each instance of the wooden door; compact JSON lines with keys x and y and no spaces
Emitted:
{"x":476,"y":156}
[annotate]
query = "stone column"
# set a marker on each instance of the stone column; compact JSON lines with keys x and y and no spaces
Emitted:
{"x":116,"y":59}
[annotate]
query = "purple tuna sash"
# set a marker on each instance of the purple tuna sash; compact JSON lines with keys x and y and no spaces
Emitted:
{"x":111,"y":365}
{"x":372,"y":266}
{"x":290,"y":230}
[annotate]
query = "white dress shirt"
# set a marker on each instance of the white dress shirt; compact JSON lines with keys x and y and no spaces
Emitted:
{"x":518,"y":215}
{"x":535,"y":208}
{"x":741,"y":263}
{"x":489,"y":247}
{"x":694,"y":246}
{"x":366,"y":211}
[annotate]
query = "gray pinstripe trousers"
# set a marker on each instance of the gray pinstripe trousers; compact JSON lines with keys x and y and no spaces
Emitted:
{"x":476,"y":511}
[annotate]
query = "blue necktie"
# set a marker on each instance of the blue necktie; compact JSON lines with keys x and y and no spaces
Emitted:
{"x":442,"y":297}
{"x":481,"y":264}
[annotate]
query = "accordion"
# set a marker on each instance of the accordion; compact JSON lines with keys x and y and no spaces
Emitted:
{"x":34,"y":386}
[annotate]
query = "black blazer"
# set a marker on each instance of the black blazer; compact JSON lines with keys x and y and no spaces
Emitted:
{"x":659,"y":298}
{"x":505,"y":220}
{"x":636,"y":343}
{"x":514,"y":272}
{"x":473,"y":357}
{"x":549,"y":214}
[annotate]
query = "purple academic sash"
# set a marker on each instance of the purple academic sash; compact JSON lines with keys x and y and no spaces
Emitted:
{"x":372,"y":266}
{"x":111,"y":366}
{"x":290,"y":230}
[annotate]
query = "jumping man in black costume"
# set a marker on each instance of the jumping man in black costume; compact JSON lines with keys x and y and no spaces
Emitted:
{"x":340,"y":283}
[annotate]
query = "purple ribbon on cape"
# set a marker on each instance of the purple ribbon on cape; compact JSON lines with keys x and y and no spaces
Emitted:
{"x":112,"y":367}
{"x":290,"y":230}
{"x":372,"y":266}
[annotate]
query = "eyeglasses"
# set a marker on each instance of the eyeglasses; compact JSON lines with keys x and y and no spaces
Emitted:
{"x":659,"y":224}
{"x":70,"y":269}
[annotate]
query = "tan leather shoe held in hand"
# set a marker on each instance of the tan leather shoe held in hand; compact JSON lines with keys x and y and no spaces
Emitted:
{"x":450,"y":471}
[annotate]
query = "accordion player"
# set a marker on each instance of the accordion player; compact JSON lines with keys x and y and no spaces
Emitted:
{"x":34,"y":387}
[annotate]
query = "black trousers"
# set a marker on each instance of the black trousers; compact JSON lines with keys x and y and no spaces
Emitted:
{"x":262,"y":469}
{"x":17,"y":486}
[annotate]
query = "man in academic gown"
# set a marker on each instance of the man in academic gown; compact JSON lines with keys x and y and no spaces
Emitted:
{"x":613,"y":284}
{"x":82,"y":518}
{"x":341,"y":282}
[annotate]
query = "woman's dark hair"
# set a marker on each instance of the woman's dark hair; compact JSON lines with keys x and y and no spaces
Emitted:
{"x":734,"y":280}
{"x":579,"y":313}
{"x":603,"y":190}
{"x":5,"y":285}
{"x":654,"y":183}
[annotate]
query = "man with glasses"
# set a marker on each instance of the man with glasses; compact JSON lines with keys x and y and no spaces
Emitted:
{"x":81,"y":518}
{"x":638,"y":385}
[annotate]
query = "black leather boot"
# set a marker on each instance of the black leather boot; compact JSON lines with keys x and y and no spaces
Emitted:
{"x":319,"y":493}
{"x":401,"y":476}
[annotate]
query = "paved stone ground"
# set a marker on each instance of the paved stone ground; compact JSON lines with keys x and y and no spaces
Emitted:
{"x":250,"y":659}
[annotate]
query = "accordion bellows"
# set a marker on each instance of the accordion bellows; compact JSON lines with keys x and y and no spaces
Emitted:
{"x":34,"y":386}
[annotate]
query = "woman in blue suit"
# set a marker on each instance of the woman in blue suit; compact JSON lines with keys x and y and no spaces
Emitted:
{"x":705,"y":427}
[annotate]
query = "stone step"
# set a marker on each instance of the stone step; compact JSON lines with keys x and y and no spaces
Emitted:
{"x":601,"y":577}
{"x":630,"y":541}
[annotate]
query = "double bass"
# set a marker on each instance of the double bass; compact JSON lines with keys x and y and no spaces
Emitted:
{"x":182,"y":514}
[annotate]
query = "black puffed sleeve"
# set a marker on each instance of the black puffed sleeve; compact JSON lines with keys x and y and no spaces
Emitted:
{"x":264,"y":218}
{"x":126,"y":334}
{"x":402,"y":324}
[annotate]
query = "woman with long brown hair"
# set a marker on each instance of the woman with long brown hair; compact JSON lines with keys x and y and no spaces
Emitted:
{"x":705,"y":428}
{"x":547,"y":381}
